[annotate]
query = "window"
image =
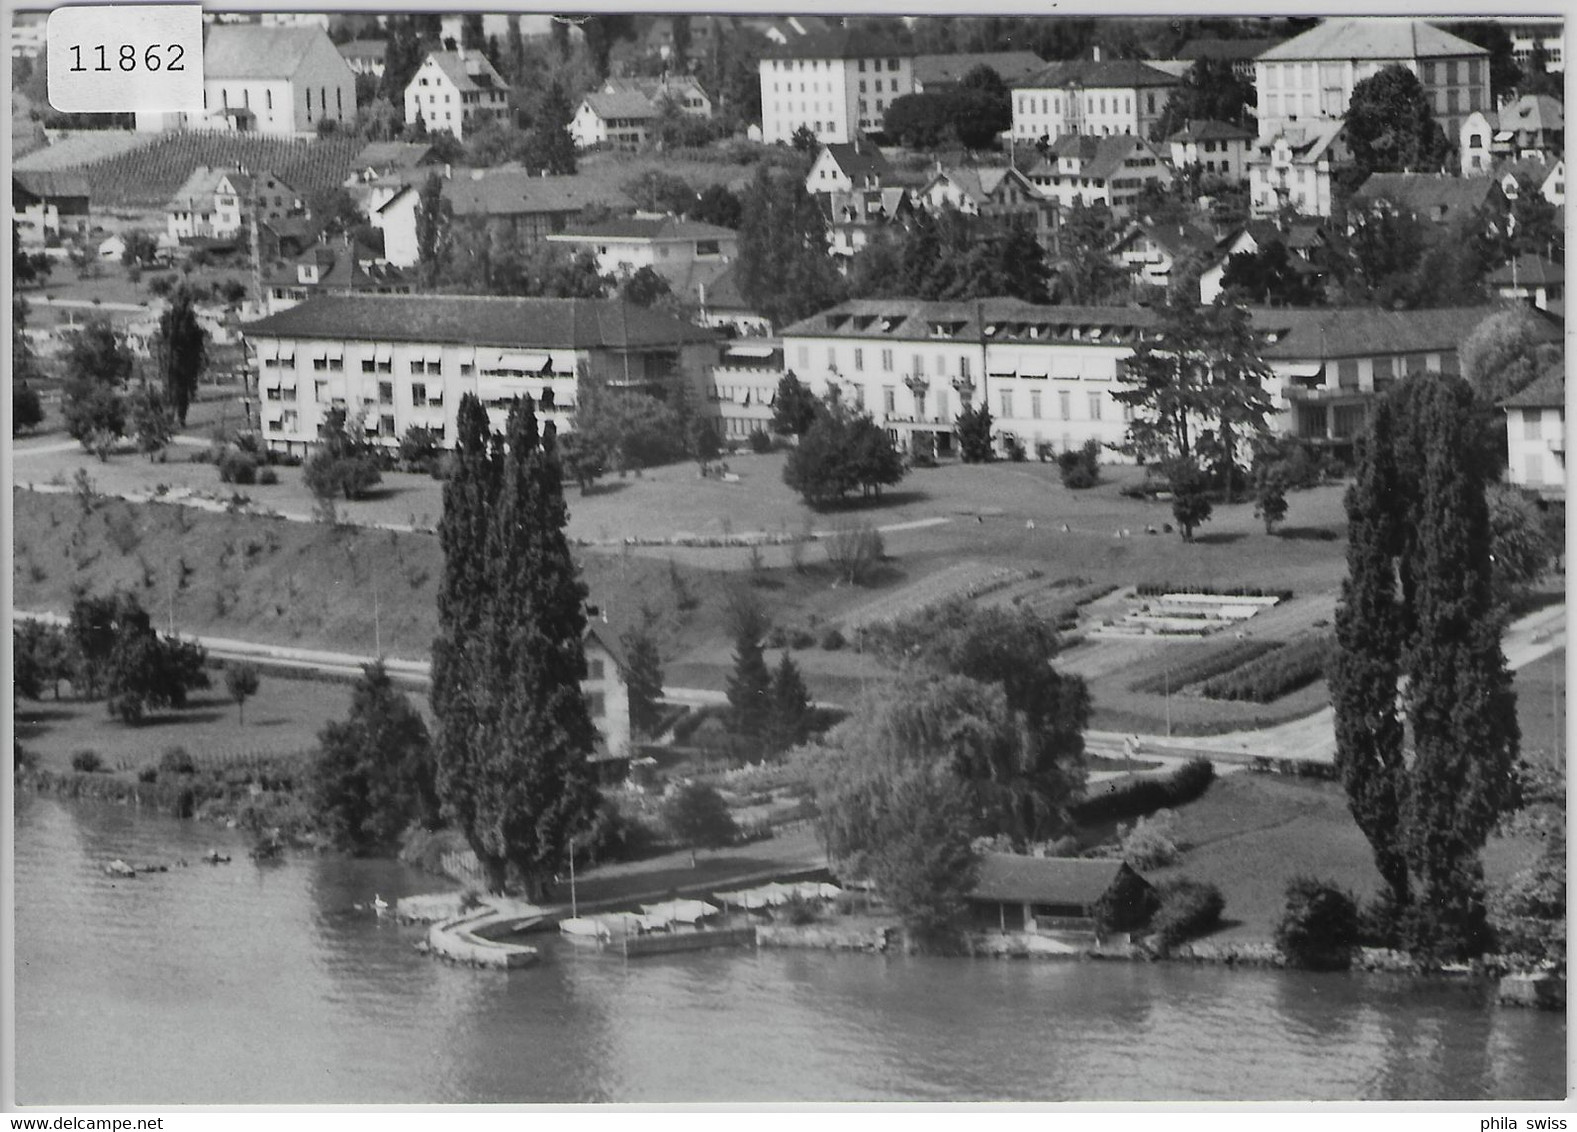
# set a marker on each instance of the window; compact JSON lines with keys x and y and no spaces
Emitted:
{"x":804,"y":357}
{"x":1532,"y":424}
{"x":1034,"y":405}
{"x":320,"y":363}
{"x":889,"y":399}
{"x":385,"y":392}
{"x":887,"y":361}
{"x":963,"y":367}
{"x":1065,"y":405}
{"x":1007,"y":403}
{"x":594,"y":668}
{"x":386,"y":424}
{"x":336,"y":365}
{"x":1347,"y":373}
{"x":919,"y":366}
{"x":595,"y":704}
{"x":832,"y":358}
{"x":1095,"y":406}
{"x":418,"y":392}
{"x":467,"y":369}
{"x":859,"y":360}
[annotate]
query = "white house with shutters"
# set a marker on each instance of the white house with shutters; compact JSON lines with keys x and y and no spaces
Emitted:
{"x":1536,"y":434}
{"x":457,"y":92}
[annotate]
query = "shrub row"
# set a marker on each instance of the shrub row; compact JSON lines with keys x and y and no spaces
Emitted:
{"x":1146,"y":795}
{"x":1156,"y":589}
{"x":1188,"y":909}
{"x":1275,"y":674}
{"x":1204,"y":664}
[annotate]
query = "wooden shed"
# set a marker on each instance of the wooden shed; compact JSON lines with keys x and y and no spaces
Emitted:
{"x":1059,"y":894}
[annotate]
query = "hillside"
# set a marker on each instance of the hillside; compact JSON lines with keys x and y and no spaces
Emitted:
{"x":146,"y":176}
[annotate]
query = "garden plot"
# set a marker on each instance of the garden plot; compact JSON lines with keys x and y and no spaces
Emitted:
{"x":1186,"y":614}
{"x":967,"y":580}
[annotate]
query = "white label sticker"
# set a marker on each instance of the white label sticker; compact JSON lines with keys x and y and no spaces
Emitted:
{"x":118,"y":58}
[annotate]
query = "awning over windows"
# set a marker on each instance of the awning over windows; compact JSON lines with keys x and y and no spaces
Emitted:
{"x":1302,"y":369}
{"x":528,"y":363}
{"x":751,"y":351}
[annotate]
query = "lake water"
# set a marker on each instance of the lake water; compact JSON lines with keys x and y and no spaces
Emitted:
{"x":246,"y":984}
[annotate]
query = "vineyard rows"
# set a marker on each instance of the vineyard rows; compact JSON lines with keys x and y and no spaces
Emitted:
{"x":147,"y":177}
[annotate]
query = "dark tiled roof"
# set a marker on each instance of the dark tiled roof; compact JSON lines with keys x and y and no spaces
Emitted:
{"x":1529,"y":271}
{"x":621,"y":104}
{"x":858,"y":159}
{"x":1045,"y":880}
{"x":1228,"y":49}
{"x":50,"y":183}
{"x":392,"y":155}
{"x":515,"y":192}
{"x":1427,"y":194}
{"x":468,"y":70}
{"x":1005,"y":320}
{"x":839,"y":43}
{"x":1365,"y":331}
{"x":364,"y":49}
{"x":1208,"y":129}
{"x":1121,"y":73}
{"x":942,"y":70}
{"x":481,"y":321}
{"x":258,"y":51}
{"x":1547,"y":391}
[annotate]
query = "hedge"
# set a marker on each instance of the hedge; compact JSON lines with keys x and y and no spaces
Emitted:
{"x":1204,"y":664}
{"x":1157,"y":589}
{"x":1146,"y":795}
{"x":1274,"y":675}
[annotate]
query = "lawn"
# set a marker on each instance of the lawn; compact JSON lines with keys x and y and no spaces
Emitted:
{"x":283,"y":718}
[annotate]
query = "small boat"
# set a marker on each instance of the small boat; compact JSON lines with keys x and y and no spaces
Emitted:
{"x":119,"y":868}
{"x":582,"y":926}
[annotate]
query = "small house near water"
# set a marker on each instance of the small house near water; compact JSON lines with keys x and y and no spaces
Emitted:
{"x":1058,"y":894}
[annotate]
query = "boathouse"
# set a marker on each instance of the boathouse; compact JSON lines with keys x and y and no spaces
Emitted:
{"x":1059,"y":894}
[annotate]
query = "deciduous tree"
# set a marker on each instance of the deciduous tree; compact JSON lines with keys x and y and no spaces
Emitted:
{"x":1391,"y":125}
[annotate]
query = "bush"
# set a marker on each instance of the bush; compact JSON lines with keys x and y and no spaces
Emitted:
{"x":1081,"y":467}
{"x":176,"y":760}
{"x":1189,"y":909}
{"x":1320,"y":927}
{"x":88,"y":762}
{"x":237,"y":467}
{"x":698,"y":816}
{"x":832,"y":640}
{"x":1275,"y":674}
{"x":1149,"y":844}
{"x":267,"y":477}
{"x":148,"y":774}
{"x":1146,"y":795}
{"x":801,"y":639}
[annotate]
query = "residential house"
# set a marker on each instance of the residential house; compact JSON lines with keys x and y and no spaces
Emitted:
{"x":1092,"y":97}
{"x":1081,"y":169}
{"x":683,"y":92}
{"x":846,"y":167}
{"x":714,"y":289}
{"x":258,"y":78}
{"x":1309,"y":79}
{"x":1218,"y":148}
{"x":534,"y":207}
{"x":47,"y":205}
{"x":853,"y":218}
{"x":663,"y":243}
{"x":1150,"y":252}
{"x":342,"y":267}
{"x":1434,"y":198}
{"x":1331,"y":363}
{"x":998,"y":192}
{"x":1531,"y":279}
{"x":622,"y":120}
{"x":1305,"y":243}
{"x":215,"y":204}
{"x":1536,"y":435}
{"x":1292,"y":169}
{"x":395,"y":361}
{"x":936,"y":73}
{"x":365,"y":56}
{"x":457,"y":91}
{"x":1547,"y":178}
{"x":1059,"y":895}
{"x":1532,"y":127}
{"x":837,"y":84}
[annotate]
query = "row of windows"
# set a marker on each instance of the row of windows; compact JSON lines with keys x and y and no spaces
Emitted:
{"x":1093,"y":104}
{"x":817,"y":64}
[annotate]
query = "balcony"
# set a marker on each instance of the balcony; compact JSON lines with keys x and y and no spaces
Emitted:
{"x":1326,"y":395}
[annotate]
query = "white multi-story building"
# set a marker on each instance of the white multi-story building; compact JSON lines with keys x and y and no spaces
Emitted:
{"x":396,"y":361}
{"x":1309,"y":79}
{"x":1218,"y":148}
{"x":1047,"y":374}
{"x":1292,"y":169}
{"x":838,"y":85}
{"x":1536,"y":434}
{"x":1093,"y":97}
{"x":457,"y":91}
{"x":1531,"y":128}
{"x":666,"y":244}
{"x":217,"y":203}
{"x":1550,"y":35}
{"x":265,"y":79}
{"x":622,"y":119}
{"x":1080,"y":169}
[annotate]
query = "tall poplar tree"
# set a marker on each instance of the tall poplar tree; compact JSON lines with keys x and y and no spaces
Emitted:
{"x":183,"y":351}
{"x":1418,"y":639}
{"x":514,"y":730}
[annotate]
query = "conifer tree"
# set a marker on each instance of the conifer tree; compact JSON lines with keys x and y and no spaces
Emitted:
{"x":1418,"y":636}
{"x":750,"y":687}
{"x":789,"y":723}
{"x":514,"y":728}
{"x":645,"y":680}
{"x":183,"y":351}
